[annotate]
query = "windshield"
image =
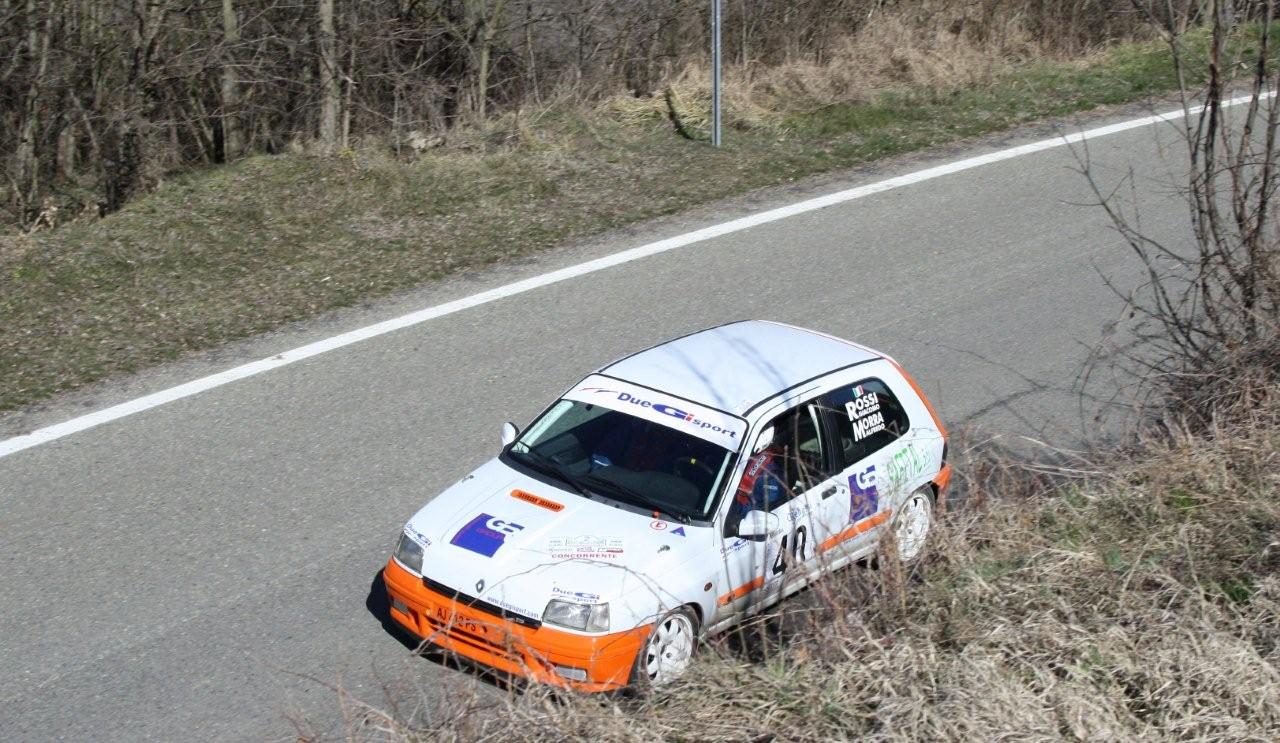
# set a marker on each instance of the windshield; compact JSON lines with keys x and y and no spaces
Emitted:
{"x":626,"y":458}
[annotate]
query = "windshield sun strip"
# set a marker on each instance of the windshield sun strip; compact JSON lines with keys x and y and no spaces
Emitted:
{"x":717,"y":420}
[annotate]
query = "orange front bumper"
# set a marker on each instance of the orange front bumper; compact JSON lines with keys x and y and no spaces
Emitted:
{"x":509,"y":647}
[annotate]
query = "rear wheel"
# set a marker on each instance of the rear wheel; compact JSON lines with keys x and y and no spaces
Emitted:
{"x":667,"y":653}
{"x":912,"y":524}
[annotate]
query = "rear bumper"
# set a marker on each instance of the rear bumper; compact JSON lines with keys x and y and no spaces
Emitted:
{"x":532,"y":653}
{"x":940,"y":483}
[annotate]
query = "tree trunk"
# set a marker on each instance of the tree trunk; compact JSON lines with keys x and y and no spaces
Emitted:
{"x":232,"y":134}
{"x":124,"y":141}
{"x":38,"y":54}
{"x":483,"y":23}
{"x":351,"y":83}
{"x":66,"y":156}
{"x":528,"y":46}
{"x":482,"y":75}
{"x":329,"y":88}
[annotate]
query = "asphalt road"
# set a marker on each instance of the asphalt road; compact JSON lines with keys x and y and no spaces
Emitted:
{"x":201,"y":570}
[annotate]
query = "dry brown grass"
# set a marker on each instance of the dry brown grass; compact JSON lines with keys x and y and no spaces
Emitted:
{"x":1141,"y":604}
{"x":939,"y":45}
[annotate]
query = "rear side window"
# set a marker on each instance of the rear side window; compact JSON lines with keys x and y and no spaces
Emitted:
{"x":867,"y":418}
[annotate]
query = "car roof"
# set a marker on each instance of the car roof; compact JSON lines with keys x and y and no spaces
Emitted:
{"x":737,"y":366}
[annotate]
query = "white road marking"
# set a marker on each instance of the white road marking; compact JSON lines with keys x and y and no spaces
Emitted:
{"x":156,"y":399}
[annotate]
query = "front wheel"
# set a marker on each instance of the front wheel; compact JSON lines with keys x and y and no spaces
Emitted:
{"x":912,"y":524}
{"x":667,"y":653}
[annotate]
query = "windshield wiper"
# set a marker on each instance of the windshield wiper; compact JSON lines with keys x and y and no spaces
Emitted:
{"x":539,"y":463}
{"x":630,"y":495}
{"x":582,"y":483}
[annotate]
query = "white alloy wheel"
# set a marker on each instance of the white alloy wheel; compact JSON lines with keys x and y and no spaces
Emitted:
{"x":669,"y":650}
{"x":911,"y":528}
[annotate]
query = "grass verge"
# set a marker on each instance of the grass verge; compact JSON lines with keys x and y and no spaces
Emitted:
{"x":1138,"y":602}
{"x":222,"y":254}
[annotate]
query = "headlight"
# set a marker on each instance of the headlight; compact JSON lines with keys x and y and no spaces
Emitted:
{"x":409,"y":553}
{"x":587,"y":617}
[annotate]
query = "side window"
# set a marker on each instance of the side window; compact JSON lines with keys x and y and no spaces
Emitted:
{"x":794,"y":459}
{"x":867,"y":418}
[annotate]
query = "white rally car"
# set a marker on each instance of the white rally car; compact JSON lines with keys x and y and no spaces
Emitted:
{"x":667,"y":496}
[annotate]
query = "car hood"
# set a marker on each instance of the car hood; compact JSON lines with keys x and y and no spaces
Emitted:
{"x":516,"y":542}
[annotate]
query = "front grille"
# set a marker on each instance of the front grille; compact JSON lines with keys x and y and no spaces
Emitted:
{"x":481,"y":604}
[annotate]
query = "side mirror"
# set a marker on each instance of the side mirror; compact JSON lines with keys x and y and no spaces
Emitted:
{"x":759,"y":524}
{"x":509,"y":433}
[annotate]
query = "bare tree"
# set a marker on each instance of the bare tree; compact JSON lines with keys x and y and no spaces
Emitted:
{"x":121,"y":91}
{"x":329,"y":90}
{"x":1208,"y":316}
{"x":232,"y":136}
{"x":37,"y":50}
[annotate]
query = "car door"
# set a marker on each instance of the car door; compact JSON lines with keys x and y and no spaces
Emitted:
{"x":786,"y":476}
{"x":871,"y":435}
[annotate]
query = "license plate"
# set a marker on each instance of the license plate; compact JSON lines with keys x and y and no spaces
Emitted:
{"x":470,"y":626}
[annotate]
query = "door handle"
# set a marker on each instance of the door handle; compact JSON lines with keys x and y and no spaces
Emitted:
{"x":829,"y":492}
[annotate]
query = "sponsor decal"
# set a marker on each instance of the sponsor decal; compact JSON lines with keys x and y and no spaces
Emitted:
{"x":758,"y":465}
{"x":663,"y":408}
{"x":581,"y":597}
{"x":485,"y":534}
{"x":480,"y":586}
{"x":864,"y":411}
{"x":862,"y":405}
{"x":446,"y":616}
{"x":906,"y":465}
{"x":734,"y":546}
{"x":418,"y":536}
{"x":720,"y":428}
{"x":864,"y":498}
{"x":678,"y":530}
{"x":585,"y":547}
{"x":515,"y":609}
{"x":537,"y":500}
{"x":658,"y":525}
{"x":864,"y":427}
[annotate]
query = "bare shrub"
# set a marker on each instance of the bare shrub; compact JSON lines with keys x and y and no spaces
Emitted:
{"x":1142,"y":604}
{"x":192,"y":84}
{"x":931,"y":45}
{"x":1208,"y":316}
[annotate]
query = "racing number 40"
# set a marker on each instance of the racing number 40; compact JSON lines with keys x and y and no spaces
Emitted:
{"x":799,"y":540}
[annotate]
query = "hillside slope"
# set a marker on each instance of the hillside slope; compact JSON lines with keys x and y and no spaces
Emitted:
{"x":226,"y":253}
{"x":1138,"y":599}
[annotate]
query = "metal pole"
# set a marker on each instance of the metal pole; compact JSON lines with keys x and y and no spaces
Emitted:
{"x":715,"y":73}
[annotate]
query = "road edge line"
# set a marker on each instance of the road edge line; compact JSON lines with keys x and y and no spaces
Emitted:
{"x":203,"y":384}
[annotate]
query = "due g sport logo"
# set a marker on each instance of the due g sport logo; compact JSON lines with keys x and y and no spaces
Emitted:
{"x":662,"y":408}
{"x":864,"y":497}
{"x":485,"y":534}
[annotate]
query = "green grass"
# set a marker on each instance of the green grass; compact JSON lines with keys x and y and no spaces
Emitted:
{"x":226,"y":253}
